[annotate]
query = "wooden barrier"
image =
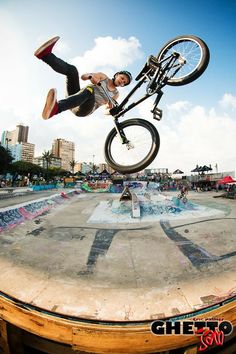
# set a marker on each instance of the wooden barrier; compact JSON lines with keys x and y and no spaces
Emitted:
{"x":98,"y":337}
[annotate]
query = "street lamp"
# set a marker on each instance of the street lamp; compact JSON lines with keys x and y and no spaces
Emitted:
{"x":93,"y":165}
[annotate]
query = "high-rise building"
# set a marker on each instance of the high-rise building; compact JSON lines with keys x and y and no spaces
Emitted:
{"x":22,"y":152}
{"x":7,"y":138}
{"x":16,"y":152}
{"x":27,"y":152}
{"x":17,"y":142}
{"x":19,"y":135}
{"x":65,"y":150}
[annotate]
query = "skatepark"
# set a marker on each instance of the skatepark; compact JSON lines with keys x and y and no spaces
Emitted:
{"x":89,"y":272}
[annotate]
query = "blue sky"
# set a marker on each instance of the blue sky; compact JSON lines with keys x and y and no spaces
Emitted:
{"x":202,"y":131}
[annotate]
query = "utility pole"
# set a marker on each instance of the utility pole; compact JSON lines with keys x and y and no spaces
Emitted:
{"x":93,"y":165}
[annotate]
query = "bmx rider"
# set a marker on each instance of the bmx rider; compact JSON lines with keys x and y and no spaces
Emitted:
{"x":82,"y":102}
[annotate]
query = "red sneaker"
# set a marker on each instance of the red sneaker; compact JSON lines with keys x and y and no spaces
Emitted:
{"x":51,"y":105}
{"x":46,"y":48}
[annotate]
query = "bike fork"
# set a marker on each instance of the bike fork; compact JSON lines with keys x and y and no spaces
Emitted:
{"x":120,"y":132}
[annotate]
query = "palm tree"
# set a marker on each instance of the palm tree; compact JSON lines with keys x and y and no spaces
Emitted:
{"x":72,"y":164}
{"x":47,"y":156}
{"x":5,"y":159}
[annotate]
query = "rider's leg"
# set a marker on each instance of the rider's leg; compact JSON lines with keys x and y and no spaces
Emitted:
{"x":70,"y":71}
{"x":44,"y":52}
{"x":46,"y":47}
{"x":81,"y":103}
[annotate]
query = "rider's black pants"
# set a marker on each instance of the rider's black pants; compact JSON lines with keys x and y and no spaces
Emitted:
{"x":81,"y":102}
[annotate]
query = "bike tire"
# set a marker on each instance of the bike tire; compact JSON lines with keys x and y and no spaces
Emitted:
{"x":195,"y":44}
{"x":127,"y":169}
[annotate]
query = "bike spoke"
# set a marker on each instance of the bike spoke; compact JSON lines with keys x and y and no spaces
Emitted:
{"x":141,"y":141}
{"x":190,"y":51}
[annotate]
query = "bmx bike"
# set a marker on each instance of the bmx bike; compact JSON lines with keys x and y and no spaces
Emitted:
{"x":134,"y":143}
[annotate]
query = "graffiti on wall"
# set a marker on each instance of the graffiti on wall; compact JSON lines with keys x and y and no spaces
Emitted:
{"x":11,"y":217}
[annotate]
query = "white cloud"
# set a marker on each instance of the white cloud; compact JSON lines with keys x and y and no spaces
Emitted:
{"x":192,"y":135}
{"x":145,"y":108}
{"x":13,"y":96}
{"x":198,"y":137}
{"x":178,"y":106}
{"x":189,"y":135}
{"x":228,"y":101}
{"x":109,"y":54}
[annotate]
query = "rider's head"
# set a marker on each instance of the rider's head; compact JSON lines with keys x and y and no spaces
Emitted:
{"x":122,"y":78}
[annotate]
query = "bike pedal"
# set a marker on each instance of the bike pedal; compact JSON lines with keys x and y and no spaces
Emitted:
{"x":157,"y":113}
{"x":156,"y":117}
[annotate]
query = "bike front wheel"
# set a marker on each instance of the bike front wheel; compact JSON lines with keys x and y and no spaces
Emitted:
{"x":195,"y":54}
{"x":141,"y":149}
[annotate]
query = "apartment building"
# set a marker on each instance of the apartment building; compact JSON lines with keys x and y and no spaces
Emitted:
{"x":65,"y":150}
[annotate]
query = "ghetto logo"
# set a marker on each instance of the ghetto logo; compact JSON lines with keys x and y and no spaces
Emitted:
{"x":189,"y":327}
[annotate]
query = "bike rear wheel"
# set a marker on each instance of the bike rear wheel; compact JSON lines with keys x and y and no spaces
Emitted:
{"x":195,"y":53}
{"x":144,"y":143}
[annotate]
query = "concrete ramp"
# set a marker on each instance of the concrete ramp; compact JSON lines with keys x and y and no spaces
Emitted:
{"x":135,"y":206}
{"x":97,"y":287}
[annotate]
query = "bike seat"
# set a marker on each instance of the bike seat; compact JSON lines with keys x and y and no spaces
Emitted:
{"x":151,"y":63}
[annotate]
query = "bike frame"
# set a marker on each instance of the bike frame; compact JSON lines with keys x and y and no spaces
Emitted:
{"x":157,"y":76}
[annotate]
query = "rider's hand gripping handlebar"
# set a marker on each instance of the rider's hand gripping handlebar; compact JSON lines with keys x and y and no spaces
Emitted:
{"x":115,"y":106}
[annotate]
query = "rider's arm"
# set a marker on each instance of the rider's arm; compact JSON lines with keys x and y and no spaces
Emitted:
{"x":114,"y":98}
{"x":109,"y":105}
{"x":95,"y":78}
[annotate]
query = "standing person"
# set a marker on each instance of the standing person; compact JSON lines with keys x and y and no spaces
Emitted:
{"x":184,"y":190}
{"x":81,"y":102}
